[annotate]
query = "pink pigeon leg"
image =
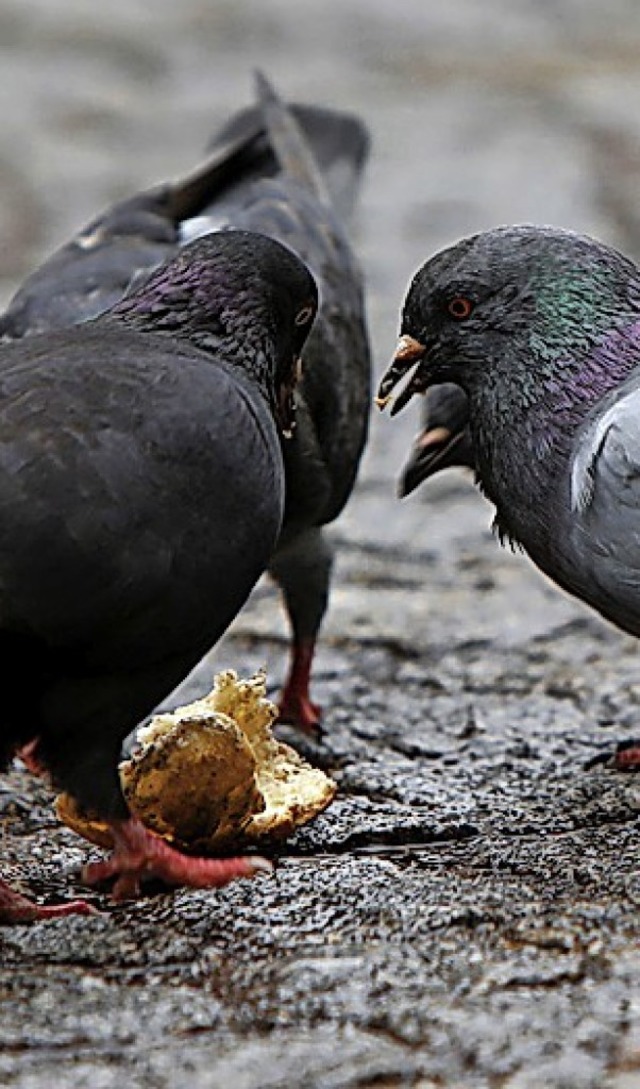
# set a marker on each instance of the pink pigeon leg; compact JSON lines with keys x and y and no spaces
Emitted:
{"x":138,"y":854}
{"x":15,"y":908}
{"x":628,"y":758}
{"x":296,"y":706}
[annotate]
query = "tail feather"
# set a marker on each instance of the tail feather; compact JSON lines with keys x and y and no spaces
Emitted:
{"x":337,"y":142}
{"x":295,"y":157}
{"x":230,"y":158}
{"x":324,"y":149}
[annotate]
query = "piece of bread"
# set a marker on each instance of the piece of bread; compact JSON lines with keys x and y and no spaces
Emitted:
{"x":211,"y":776}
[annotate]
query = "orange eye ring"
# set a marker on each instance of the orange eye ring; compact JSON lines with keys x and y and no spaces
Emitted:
{"x":304,"y":316}
{"x":459,"y":307}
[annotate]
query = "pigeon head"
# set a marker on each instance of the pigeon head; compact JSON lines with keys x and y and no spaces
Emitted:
{"x":515,"y":314}
{"x":240,"y":295}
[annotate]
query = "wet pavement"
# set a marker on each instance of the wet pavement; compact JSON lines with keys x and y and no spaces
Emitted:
{"x":466,"y":913}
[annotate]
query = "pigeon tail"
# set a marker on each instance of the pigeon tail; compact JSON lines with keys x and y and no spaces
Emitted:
{"x":294,"y":155}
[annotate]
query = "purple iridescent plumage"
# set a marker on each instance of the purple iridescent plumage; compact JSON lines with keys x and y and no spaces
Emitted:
{"x":548,"y":360}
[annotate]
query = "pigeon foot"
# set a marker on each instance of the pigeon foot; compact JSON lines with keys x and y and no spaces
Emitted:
{"x":15,"y":908}
{"x":29,"y":756}
{"x":298,"y":710}
{"x":627,"y":757}
{"x":140,"y":854}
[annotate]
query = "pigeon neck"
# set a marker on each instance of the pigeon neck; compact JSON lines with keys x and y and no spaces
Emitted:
{"x":241,"y":339}
{"x":528,"y":430}
{"x":251,"y":355}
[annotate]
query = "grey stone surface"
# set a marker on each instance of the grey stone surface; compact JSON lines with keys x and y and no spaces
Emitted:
{"x":466,"y":913}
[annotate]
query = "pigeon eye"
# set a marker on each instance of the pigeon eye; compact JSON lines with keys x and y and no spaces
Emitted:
{"x":459,"y":307}
{"x":304,"y":316}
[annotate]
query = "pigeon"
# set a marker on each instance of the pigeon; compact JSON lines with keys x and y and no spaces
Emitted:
{"x":142,"y":494}
{"x":293,"y":174}
{"x":540,"y":327}
{"x":444,"y":440}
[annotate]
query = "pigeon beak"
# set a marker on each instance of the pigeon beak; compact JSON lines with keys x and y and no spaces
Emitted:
{"x":285,"y":409}
{"x":409,"y":352}
{"x":435,"y":448}
{"x":286,"y":412}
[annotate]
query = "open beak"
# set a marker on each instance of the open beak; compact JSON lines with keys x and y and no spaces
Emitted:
{"x":408,"y":353}
{"x":435,"y":448}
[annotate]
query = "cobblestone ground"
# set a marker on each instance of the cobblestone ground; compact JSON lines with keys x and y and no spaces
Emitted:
{"x":466,"y":913}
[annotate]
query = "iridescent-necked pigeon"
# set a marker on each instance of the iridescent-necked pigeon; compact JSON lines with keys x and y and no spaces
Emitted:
{"x":141,"y":496}
{"x":540,"y":328}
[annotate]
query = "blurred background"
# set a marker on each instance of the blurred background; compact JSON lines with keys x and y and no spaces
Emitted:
{"x":509,"y":110}
{"x":504,"y":111}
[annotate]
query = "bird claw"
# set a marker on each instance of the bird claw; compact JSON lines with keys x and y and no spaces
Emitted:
{"x":28,"y":754}
{"x":140,"y":855}
{"x":15,"y":908}
{"x":627,"y":756}
{"x":297,"y":709}
{"x":127,"y":884}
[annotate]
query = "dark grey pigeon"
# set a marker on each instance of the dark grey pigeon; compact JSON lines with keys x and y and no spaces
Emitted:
{"x":141,"y":495}
{"x":333,"y":405}
{"x":291,"y":173}
{"x":541,"y":329}
{"x":444,"y":441}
